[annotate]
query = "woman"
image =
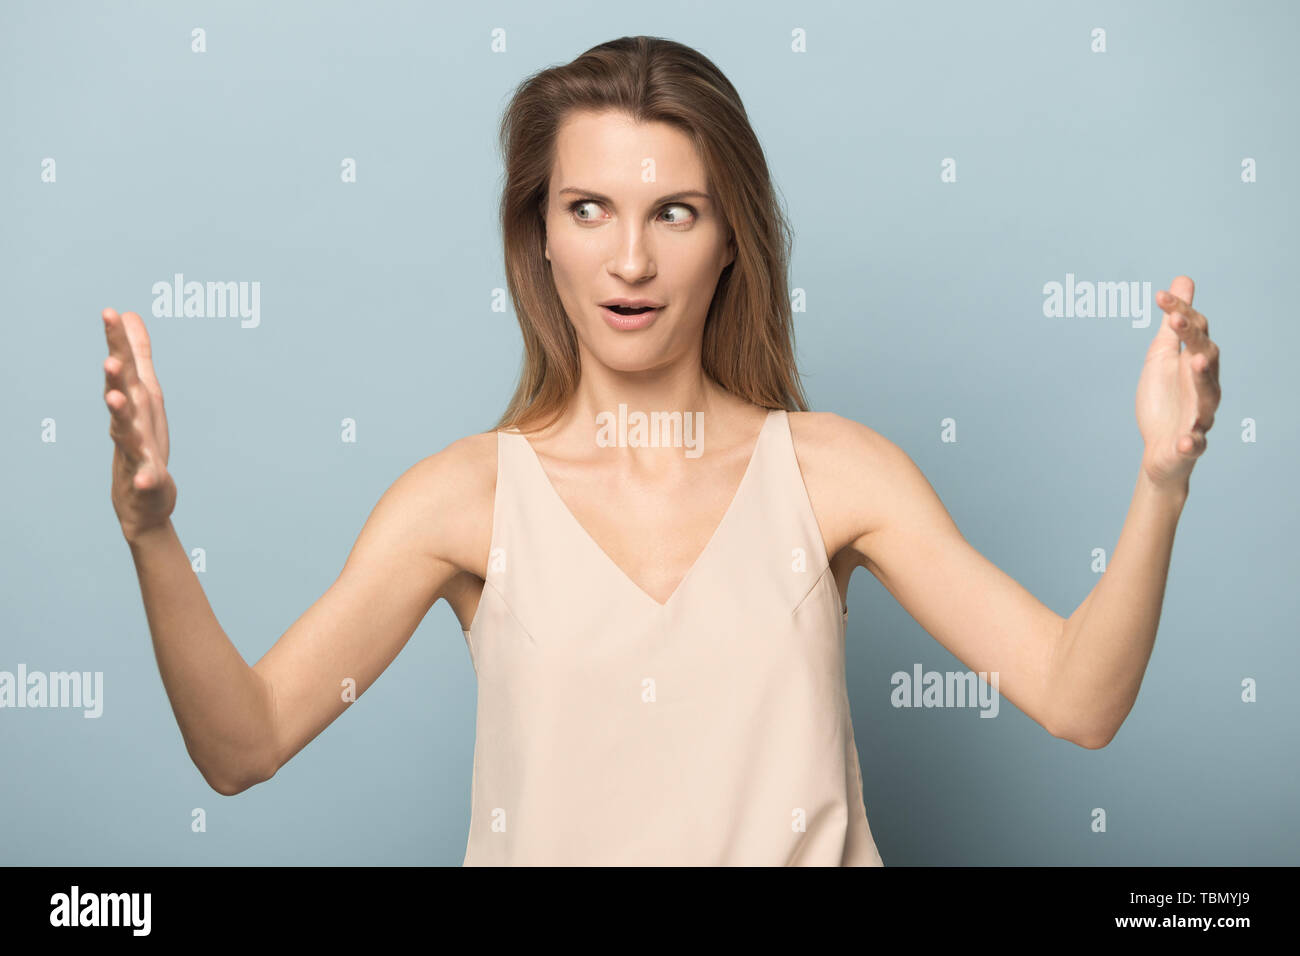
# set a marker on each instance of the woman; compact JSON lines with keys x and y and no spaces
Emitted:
{"x":656,"y":626}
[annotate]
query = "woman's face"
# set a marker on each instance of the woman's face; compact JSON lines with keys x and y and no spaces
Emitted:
{"x":627,"y":218}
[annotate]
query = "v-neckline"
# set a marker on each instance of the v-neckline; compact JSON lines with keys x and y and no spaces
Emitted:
{"x":595,"y":545}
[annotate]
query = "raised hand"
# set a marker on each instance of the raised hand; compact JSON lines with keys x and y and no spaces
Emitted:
{"x":143,"y":491}
{"x":1178,"y":392}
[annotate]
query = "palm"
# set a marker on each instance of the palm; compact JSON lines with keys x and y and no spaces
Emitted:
{"x":1179,"y":389}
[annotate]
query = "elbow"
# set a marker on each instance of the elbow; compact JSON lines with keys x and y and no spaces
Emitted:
{"x":229,"y":786}
{"x":1095,"y":742}
{"x":1087,"y":738}
{"x":225,"y":789}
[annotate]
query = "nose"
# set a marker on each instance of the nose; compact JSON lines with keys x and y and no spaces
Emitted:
{"x":633,"y":259}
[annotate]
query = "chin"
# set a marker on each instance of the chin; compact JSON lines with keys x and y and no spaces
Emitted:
{"x":628,"y":360}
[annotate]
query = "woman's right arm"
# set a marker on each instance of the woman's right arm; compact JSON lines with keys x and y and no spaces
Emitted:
{"x":223,"y":707}
{"x":240,"y":723}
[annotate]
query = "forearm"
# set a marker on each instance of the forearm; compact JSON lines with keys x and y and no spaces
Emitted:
{"x":1106,"y":643}
{"x":223,"y":707}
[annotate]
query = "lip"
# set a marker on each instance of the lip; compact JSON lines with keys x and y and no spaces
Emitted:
{"x":633,"y":303}
{"x":630,"y":323}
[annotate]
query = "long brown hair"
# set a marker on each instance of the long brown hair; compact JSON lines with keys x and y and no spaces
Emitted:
{"x":748,"y":345}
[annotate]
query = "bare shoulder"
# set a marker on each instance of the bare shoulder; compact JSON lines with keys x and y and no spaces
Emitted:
{"x":855,"y":476}
{"x":450,"y":495}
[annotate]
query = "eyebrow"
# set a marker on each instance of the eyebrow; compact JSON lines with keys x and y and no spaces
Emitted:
{"x":672,"y":197}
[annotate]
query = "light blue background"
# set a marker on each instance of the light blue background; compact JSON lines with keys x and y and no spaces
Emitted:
{"x":924,"y":302}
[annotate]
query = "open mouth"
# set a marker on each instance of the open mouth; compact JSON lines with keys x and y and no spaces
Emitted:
{"x":624,"y":310}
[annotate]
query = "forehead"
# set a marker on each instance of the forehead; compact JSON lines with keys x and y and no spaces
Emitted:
{"x":608,"y":151}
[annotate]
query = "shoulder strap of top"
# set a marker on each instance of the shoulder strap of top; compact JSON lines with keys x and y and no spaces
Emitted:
{"x":528,"y":527}
{"x":790,"y":507}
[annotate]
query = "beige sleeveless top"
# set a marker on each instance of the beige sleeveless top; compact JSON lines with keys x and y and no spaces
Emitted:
{"x":712,"y":729}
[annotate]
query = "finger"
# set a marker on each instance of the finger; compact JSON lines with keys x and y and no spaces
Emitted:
{"x":1176,"y":305}
{"x":1205,"y":362}
{"x":112,"y":373}
{"x":141,"y":349}
{"x":1183,"y":287}
{"x":119,"y":347}
{"x":116,"y":394}
{"x":129,"y":425}
{"x":146,"y":477}
{"x":1208,"y":393}
{"x":1192,"y":444}
{"x":121,"y":426}
{"x":1191,"y":327}
{"x":154,"y":416}
{"x":135,"y":401}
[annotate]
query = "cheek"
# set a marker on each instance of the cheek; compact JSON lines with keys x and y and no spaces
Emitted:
{"x":574,"y":252}
{"x":690,"y":270}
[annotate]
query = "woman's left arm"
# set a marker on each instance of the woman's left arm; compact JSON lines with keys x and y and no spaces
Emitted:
{"x":1107,"y":641}
{"x":1078,"y":677}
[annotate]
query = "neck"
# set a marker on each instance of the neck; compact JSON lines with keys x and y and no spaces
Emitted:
{"x":659,"y":390}
{"x":608,"y":403}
